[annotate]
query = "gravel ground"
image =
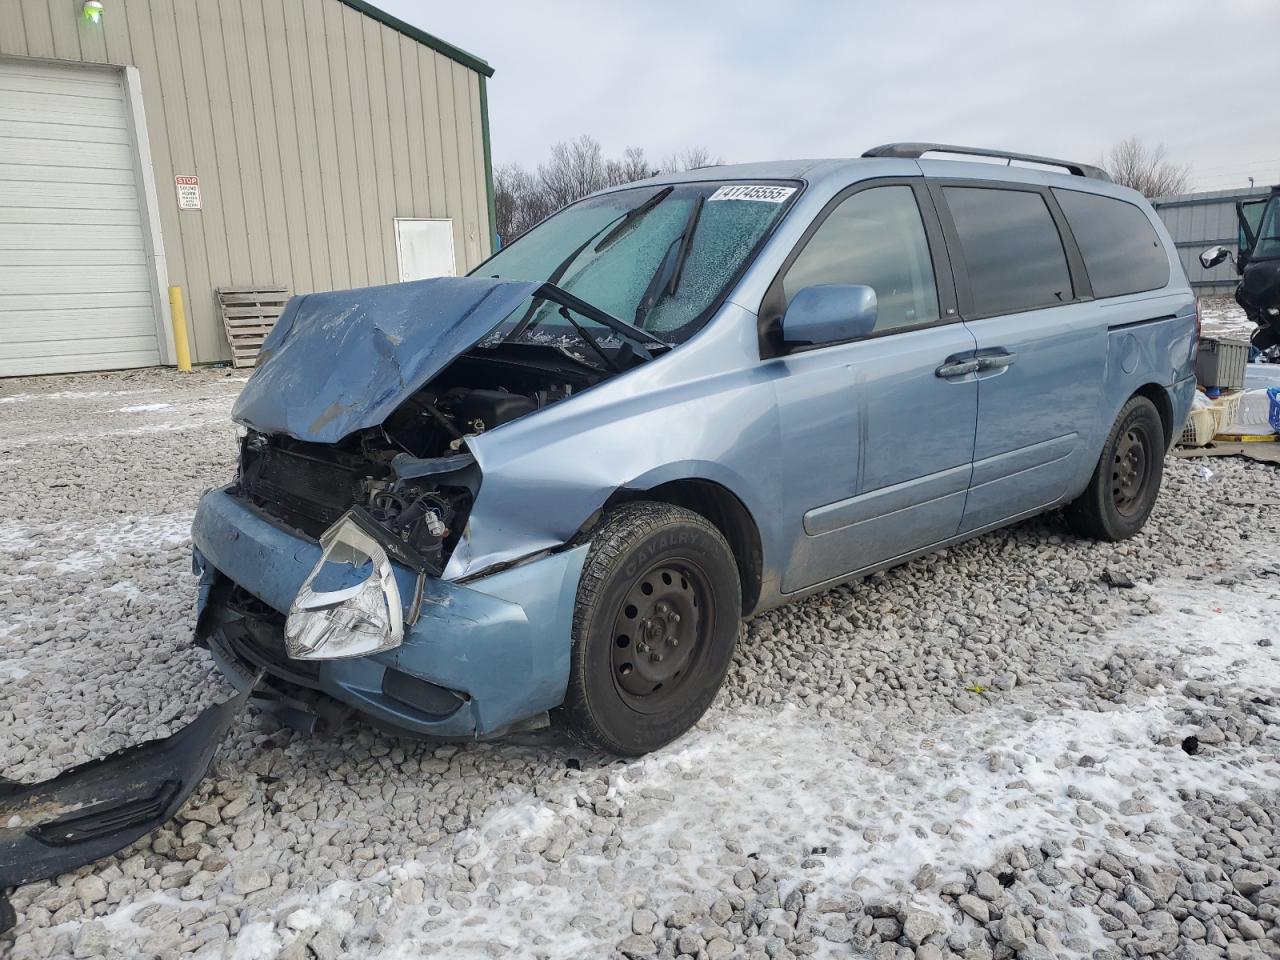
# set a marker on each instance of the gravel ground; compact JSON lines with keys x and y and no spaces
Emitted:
{"x":1028,"y":745}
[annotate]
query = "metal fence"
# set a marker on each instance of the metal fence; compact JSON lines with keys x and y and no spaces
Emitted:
{"x":1200,"y":220}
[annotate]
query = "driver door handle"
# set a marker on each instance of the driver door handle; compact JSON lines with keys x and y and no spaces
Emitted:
{"x":996,"y":361}
{"x":957,"y":368}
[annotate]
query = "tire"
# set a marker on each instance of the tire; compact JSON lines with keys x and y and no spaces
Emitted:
{"x":1126,"y":481}
{"x":654,"y":628}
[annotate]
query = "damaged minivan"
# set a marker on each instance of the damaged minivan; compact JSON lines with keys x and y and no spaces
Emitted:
{"x":551,"y":489}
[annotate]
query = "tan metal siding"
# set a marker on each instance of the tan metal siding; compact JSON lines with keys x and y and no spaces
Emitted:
{"x":39,"y":29}
{"x":366,"y":175}
{"x":448,"y":106}
{"x":330,"y":184}
{"x":292,"y":46}
{"x":311,"y":127}
{"x":154,"y":31}
{"x":270,"y":40}
{"x":270,"y":115}
{"x":348,"y":185}
{"x":434,"y":130}
{"x":401,"y":168}
{"x":384,"y":180}
{"x":244,"y":143}
{"x":66,"y":37}
{"x":417,"y":145}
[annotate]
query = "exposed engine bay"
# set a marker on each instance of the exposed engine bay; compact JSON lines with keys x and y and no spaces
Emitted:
{"x":412,"y":475}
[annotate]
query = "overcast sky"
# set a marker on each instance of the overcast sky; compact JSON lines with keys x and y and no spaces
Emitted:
{"x":758,"y":81}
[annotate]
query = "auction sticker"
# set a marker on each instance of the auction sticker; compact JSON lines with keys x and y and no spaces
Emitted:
{"x":750,"y":191}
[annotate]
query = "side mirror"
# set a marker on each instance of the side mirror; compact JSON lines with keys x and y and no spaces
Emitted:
{"x":1214,"y":256}
{"x":829,"y":313}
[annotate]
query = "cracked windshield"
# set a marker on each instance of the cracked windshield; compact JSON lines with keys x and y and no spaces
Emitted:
{"x":653,"y":257}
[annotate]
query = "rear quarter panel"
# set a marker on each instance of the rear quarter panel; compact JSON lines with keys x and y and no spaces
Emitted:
{"x":1150,"y":341}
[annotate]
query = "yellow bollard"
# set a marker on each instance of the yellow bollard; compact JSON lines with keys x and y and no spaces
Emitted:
{"x":180,"y":346}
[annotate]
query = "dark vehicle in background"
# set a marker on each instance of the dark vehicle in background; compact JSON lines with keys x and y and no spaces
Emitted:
{"x":1258,"y":264}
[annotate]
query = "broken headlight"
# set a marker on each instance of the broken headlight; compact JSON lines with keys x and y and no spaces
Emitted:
{"x":349,"y":605}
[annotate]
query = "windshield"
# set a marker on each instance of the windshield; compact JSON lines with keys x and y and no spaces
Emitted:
{"x":661,"y":269}
{"x":1268,"y":244}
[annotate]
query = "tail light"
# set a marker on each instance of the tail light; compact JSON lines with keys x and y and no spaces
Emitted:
{"x":1198,"y":319}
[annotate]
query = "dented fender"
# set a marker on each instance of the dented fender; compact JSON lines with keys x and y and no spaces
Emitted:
{"x":708,"y":414}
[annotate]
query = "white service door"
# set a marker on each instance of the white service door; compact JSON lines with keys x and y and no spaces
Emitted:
{"x":425,"y":249}
{"x":75,"y":293}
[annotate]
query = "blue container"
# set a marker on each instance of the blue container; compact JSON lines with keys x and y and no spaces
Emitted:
{"x":1273,"y":414}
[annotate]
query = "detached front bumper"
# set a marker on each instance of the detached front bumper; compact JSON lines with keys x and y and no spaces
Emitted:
{"x":480,"y":657}
{"x":99,"y":807}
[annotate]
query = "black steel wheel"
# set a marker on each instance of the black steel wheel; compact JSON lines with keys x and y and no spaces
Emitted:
{"x":657,"y":615}
{"x":1130,"y":465}
{"x":1126,"y":481}
{"x":659,"y":634}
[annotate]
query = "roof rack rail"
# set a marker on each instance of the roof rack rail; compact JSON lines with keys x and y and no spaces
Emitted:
{"x":914,"y":151}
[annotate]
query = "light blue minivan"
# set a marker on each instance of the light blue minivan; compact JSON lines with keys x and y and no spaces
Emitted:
{"x":552,"y":489}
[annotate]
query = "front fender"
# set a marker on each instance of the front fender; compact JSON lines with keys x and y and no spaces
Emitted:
{"x":705,"y":411}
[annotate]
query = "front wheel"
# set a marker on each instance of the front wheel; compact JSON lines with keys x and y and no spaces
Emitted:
{"x":1126,"y":481}
{"x":654,"y":628}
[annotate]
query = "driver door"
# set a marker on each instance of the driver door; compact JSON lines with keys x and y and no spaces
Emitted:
{"x":878,"y":432}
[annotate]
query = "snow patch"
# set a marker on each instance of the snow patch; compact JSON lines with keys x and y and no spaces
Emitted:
{"x":75,"y":395}
{"x":142,"y":408}
{"x":84,"y":549}
{"x":861,"y":807}
{"x":12,"y":670}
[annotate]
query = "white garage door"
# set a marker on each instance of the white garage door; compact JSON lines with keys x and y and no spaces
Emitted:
{"x":75,"y":292}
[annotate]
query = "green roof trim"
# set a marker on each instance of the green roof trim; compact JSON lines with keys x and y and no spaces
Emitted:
{"x":488,"y":165}
{"x":424,"y":38}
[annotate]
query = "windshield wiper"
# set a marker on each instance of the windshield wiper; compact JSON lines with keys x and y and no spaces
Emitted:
{"x":630,"y":217}
{"x":590,"y":341}
{"x":644,"y":341}
{"x":666,"y":279}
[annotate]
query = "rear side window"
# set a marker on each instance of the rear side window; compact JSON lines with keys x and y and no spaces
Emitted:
{"x":875,"y":237}
{"x":1011,"y":249}
{"x":1120,"y":248}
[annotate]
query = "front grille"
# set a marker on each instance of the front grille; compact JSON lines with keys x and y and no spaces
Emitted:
{"x":307,"y":492}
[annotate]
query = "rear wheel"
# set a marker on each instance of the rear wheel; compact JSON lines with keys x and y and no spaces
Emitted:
{"x":1126,"y":481}
{"x":653,"y":630}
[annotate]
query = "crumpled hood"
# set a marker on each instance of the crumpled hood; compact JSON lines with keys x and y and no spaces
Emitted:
{"x":342,"y":361}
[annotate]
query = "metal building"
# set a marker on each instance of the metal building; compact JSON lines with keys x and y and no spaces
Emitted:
{"x":1197,"y":221}
{"x":310,"y":144}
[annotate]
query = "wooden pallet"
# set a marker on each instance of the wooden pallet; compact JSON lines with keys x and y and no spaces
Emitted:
{"x":248,"y":314}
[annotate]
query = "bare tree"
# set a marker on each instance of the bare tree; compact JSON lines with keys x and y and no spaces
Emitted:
{"x":633,"y":166}
{"x":1148,"y":170}
{"x":690,"y":158}
{"x":574,"y":169}
{"x":519,"y":201}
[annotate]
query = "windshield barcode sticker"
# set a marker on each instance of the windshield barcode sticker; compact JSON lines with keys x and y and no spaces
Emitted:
{"x":743,"y":191}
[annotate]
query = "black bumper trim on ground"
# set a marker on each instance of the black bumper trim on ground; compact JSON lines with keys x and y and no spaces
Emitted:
{"x":102,"y":806}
